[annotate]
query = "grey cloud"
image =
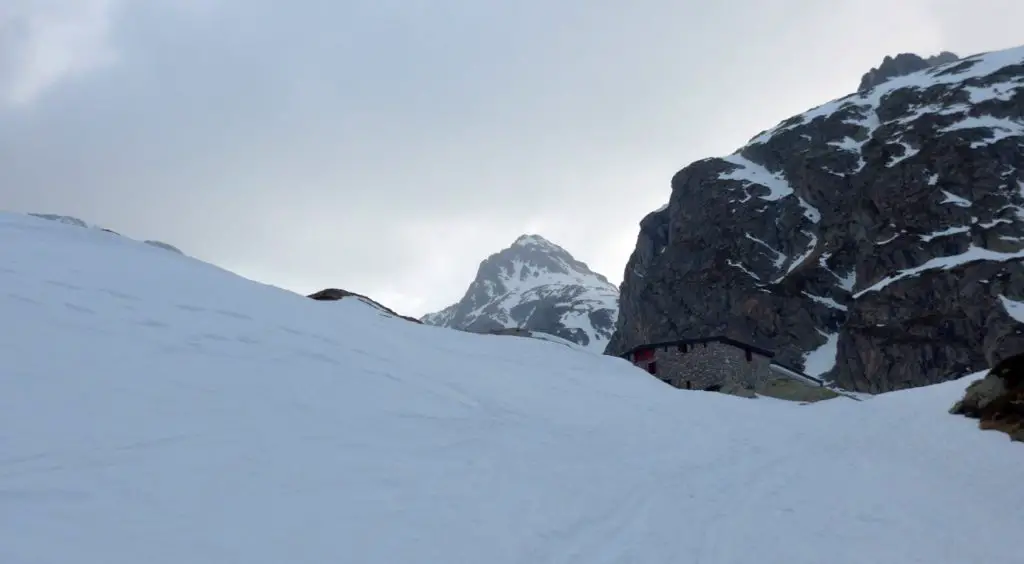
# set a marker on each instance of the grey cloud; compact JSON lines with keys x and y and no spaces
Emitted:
{"x":389,"y":146}
{"x":45,"y":41}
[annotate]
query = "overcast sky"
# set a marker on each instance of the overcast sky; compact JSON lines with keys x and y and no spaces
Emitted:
{"x":388,"y":146}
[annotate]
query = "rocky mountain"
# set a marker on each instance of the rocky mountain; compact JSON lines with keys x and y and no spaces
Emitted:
{"x":875,"y":240}
{"x":537,"y":286}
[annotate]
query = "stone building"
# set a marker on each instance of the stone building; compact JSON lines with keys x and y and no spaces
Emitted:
{"x":725,"y":365}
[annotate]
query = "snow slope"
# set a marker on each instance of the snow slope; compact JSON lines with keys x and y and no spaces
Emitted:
{"x":157,"y":409}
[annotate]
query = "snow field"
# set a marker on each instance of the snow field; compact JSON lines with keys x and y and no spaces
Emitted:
{"x":154,"y":408}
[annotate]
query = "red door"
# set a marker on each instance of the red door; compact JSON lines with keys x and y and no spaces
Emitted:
{"x":643,"y":355}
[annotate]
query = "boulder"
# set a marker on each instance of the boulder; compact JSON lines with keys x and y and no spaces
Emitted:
{"x":997,"y":400}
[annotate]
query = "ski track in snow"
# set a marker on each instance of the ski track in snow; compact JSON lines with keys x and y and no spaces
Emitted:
{"x":157,"y":409}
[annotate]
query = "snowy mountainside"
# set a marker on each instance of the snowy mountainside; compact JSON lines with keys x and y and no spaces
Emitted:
{"x":869,"y":240}
{"x":534,"y":284}
{"x":162,"y":410}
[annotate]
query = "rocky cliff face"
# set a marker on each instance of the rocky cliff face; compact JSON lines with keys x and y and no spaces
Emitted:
{"x":537,"y":286}
{"x":875,"y":240}
{"x":901,"y":65}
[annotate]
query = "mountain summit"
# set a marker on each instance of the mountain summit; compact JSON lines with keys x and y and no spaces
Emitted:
{"x":536,"y":285}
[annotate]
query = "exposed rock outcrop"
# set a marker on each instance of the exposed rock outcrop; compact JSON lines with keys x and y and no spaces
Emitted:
{"x":335,"y":294}
{"x":76,"y":222}
{"x":534,"y":285}
{"x":900,"y":65}
{"x":65,"y":219}
{"x":998,"y":399}
{"x":164,"y":246}
{"x":875,"y":241}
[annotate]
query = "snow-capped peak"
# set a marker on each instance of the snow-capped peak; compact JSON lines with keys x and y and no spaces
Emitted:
{"x":535,"y":284}
{"x":533,"y":261}
{"x":533,"y":240}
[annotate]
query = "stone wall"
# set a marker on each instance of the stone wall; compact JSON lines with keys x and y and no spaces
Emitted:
{"x":703,"y":365}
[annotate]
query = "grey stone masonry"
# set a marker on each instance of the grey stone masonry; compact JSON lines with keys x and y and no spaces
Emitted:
{"x":715,"y":363}
{"x":712,"y":364}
